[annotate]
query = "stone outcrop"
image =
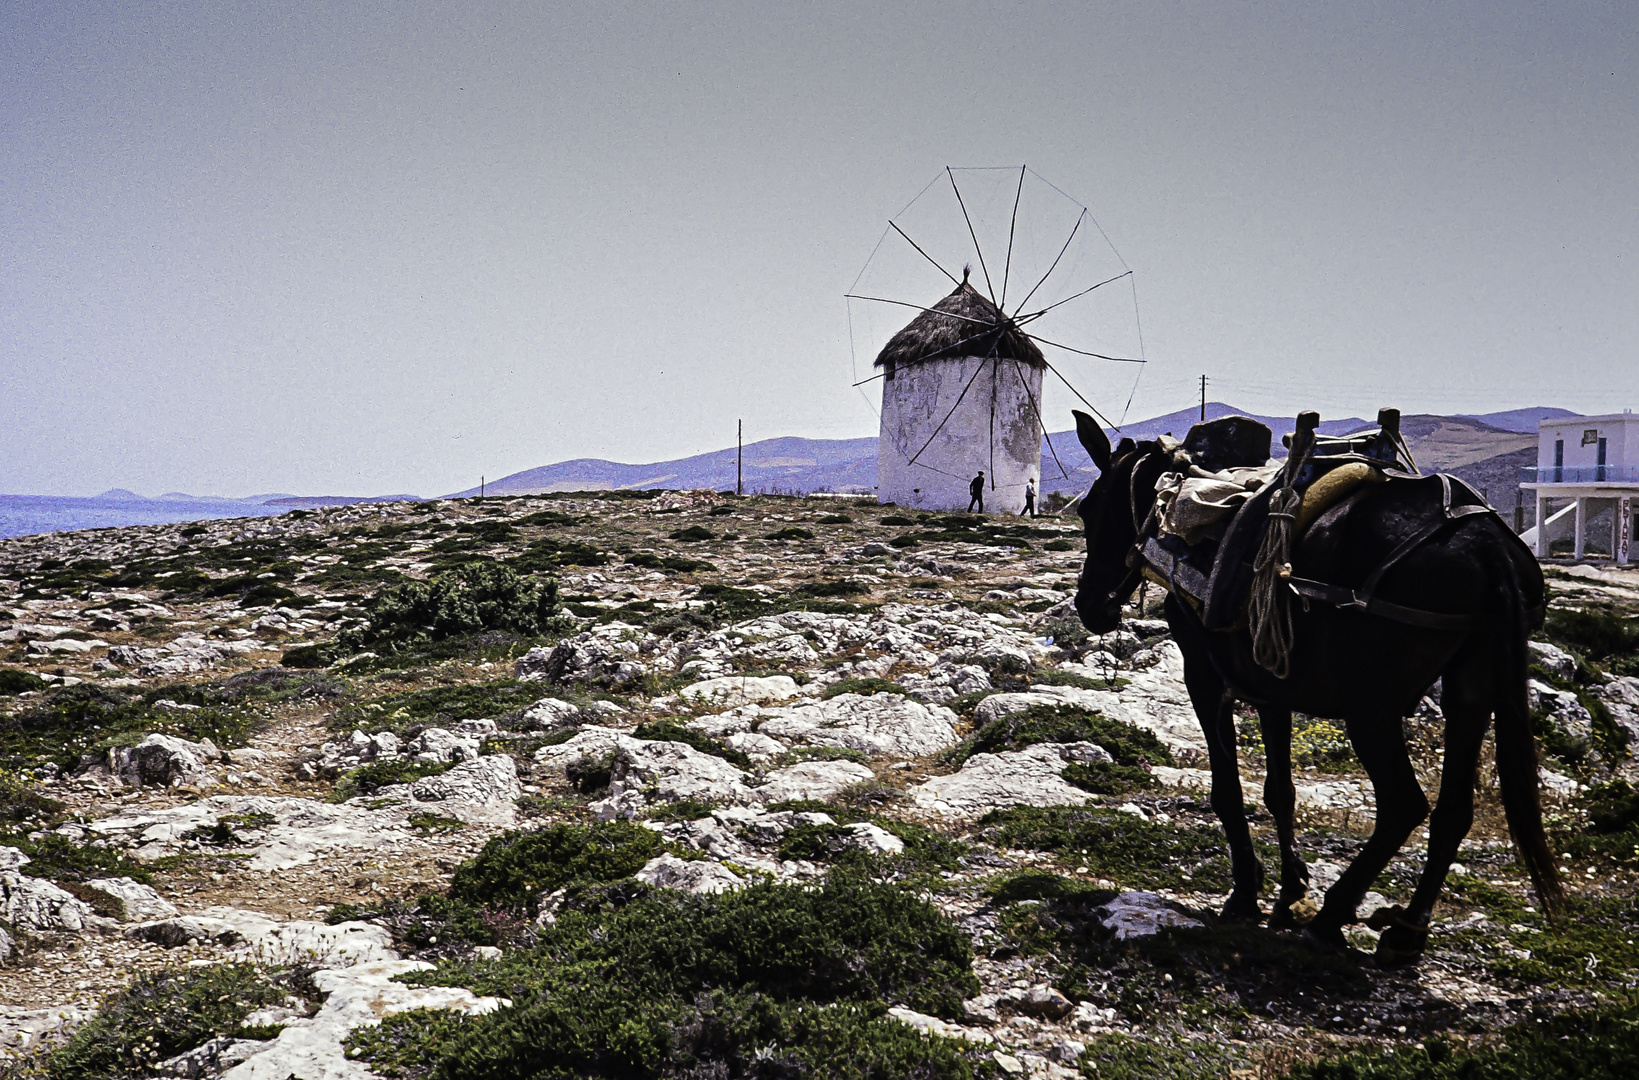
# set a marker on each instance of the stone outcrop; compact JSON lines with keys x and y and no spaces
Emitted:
{"x":993,"y":781}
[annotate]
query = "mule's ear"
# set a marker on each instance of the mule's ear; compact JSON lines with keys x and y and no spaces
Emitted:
{"x":1093,"y":440}
{"x":1125,"y":447}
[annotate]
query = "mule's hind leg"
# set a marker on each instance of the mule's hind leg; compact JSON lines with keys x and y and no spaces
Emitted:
{"x":1380,"y":743}
{"x":1281,"y":800}
{"x":1466,"y":702}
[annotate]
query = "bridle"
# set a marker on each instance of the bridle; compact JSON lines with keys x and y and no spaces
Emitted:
{"x":1116,"y":598}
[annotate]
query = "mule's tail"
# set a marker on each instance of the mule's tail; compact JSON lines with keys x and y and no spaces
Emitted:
{"x":1516,"y":747}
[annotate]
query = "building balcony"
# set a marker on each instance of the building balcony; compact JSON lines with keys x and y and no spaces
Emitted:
{"x":1579,"y":474}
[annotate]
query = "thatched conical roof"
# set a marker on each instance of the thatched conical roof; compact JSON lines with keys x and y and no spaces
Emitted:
{"x":956,"y":326}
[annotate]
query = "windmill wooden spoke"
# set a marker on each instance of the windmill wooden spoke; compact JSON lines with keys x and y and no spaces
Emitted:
{"x":976,"y":248}
{"x":922,"y":253}
{"x":1084,"y":352}
{"x":1012,"y":227}
{"x":1067,"y":241}
{"x":919,"y":307}
{"x":1038,"y":314}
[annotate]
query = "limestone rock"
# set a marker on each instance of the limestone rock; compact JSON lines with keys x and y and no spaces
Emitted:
{"x":550,"y":714}
{"x":141,"y":902}
{"x":438,"y":747}
{"x":1552,"y":659}
{"x":689,"y":875}
{"x":165,"y":761}
{"x":490,"y":779}
{"x":935,"y":1026}
{"x":818,"y":780}
{"x":1140,"y":914}
{"x":740,"y":689}
{"x":24,"y":1030}
{"x":357,"y":995}
{"x":1044,"y":1001}
{"x":1563,"y":706}
{"x":991,"y":781}
{"x":34,"y":905}
{"x":601,"y":657}
{"x":264,"y":939}
{"x":878,"y":724}
{"x":674,"y":772}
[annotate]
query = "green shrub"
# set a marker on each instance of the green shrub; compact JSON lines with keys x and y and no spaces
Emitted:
{"x":1127,"y":743}
{"x":1600,"y":1044}
{"x":1122,"y":1057}
{"x":1060,"y":544}
{"x":864,"y":687}
{"x":58,"y":858}
{"x":1108,"y":778}
{"x":1122,"y":847}
{"x":464,"y":701}
{"x":161,"y":1014}
{"x":13,"y":681}
{"x":898,"y":520}
{"x":651,"y":561}
{"x":1597,"y":635}
{"x":19,"y":802}
{"x":308,"y":656}
{"x":693,"y":534}
{"x":516,"y":867}
{"x":470,"y":599}
{"x":790,"y":532}
{"x":371,"y":778}
{"x":831,"y":588}
{"x":768,"y":977}
{"x":835,"y":519}
{"x":435,"y":823}
{"x":672,"y":731}
{"x":435,"y":924}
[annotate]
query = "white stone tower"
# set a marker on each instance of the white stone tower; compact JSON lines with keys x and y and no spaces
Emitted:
{"x":961,"y":392}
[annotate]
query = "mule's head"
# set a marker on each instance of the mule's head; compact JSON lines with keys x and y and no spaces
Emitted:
{"x":1111,"y":513}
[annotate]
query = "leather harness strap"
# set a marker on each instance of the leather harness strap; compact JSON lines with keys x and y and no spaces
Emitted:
{"x":1177,"y":576}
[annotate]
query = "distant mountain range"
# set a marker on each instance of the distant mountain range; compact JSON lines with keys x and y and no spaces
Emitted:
{"x":124,"y":495}
{"x":790,"y":465}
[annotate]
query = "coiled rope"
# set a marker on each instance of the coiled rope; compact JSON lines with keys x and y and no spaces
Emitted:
{"x":1269,"y":607}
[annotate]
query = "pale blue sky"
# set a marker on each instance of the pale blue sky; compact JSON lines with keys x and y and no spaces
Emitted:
{"x":358,"y":248}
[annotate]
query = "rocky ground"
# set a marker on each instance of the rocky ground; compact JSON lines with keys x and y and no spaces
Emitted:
{"x":222,"y":746}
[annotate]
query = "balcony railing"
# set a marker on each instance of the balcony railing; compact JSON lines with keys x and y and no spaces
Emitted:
{"x":1580,"y":474}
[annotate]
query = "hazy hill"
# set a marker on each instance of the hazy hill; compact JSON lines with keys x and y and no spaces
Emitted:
{"x":1482,"y":452}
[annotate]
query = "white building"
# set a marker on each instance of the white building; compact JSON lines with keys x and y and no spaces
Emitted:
{"x":961,"y":393}
{"x":1591,"y":464}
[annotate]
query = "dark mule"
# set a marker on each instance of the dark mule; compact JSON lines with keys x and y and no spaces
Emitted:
{"x":1358,"y":668}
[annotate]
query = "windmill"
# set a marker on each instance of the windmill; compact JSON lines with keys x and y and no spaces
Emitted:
{"x":962,"y":382}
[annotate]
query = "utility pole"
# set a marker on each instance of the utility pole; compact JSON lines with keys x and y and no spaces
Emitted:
{"x":739,"y":454}
{"x":480,"y":487}
{"x":1203,"y":398}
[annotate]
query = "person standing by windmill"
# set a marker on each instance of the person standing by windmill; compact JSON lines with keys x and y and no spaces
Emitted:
{"x":976,"y":493}
{"x":1029,"y":498}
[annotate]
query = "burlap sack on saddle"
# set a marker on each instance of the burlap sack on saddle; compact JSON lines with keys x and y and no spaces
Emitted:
{"x":1196,"y":505}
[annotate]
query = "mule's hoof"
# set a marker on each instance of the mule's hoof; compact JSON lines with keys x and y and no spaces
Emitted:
{"x":1400,"y":946}
{"x":1300,"y":912}
{"x":1241,"y":911}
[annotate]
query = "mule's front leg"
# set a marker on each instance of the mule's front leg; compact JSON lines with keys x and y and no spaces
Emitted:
{"x":1380,"y":744}
{"x":1281,"y":799}
{"x":1215,"y":709}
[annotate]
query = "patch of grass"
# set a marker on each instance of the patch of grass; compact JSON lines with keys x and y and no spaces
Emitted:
{"x":1108,"y":778}
{"x":371,"y":778}
{"x":898,"y":520}
{"x":13,"y":681}
{"x":1055,"y":677}
{"x":161,"y":1014}
{"x":683,"y":810}
{"x":1128,"y":744}
{"x":681,"y":565}
{"x":834,"y":519}
{"x":88,"y":719}
{"x":435,"y":823}
{"x":1121,"y":847}
{"x":436,"y":925}
{"x":1612,"y":832}
{"x":1598,"y":1044}
{"x":19,"y":802}
{"x":1123,"y":1057}
{"x":1596,"y":635}
{"x":516,"y":867}
{"x":546,"y":518}
{"x":831,"y":588}
{"x":671,"y":731}
{"x":824,"y":753}
{"x":464,"y":701}
{"x":693,"y":534}
{"x":769,"y":980}
{"x":790,"y":532}
{"x":1060,"y":544}
{"x":864,"y":687}
{"x":925,"y":850}
{"x":1550,"y":955}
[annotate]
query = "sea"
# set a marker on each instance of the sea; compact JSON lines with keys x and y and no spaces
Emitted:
{"x":24,"y":515}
